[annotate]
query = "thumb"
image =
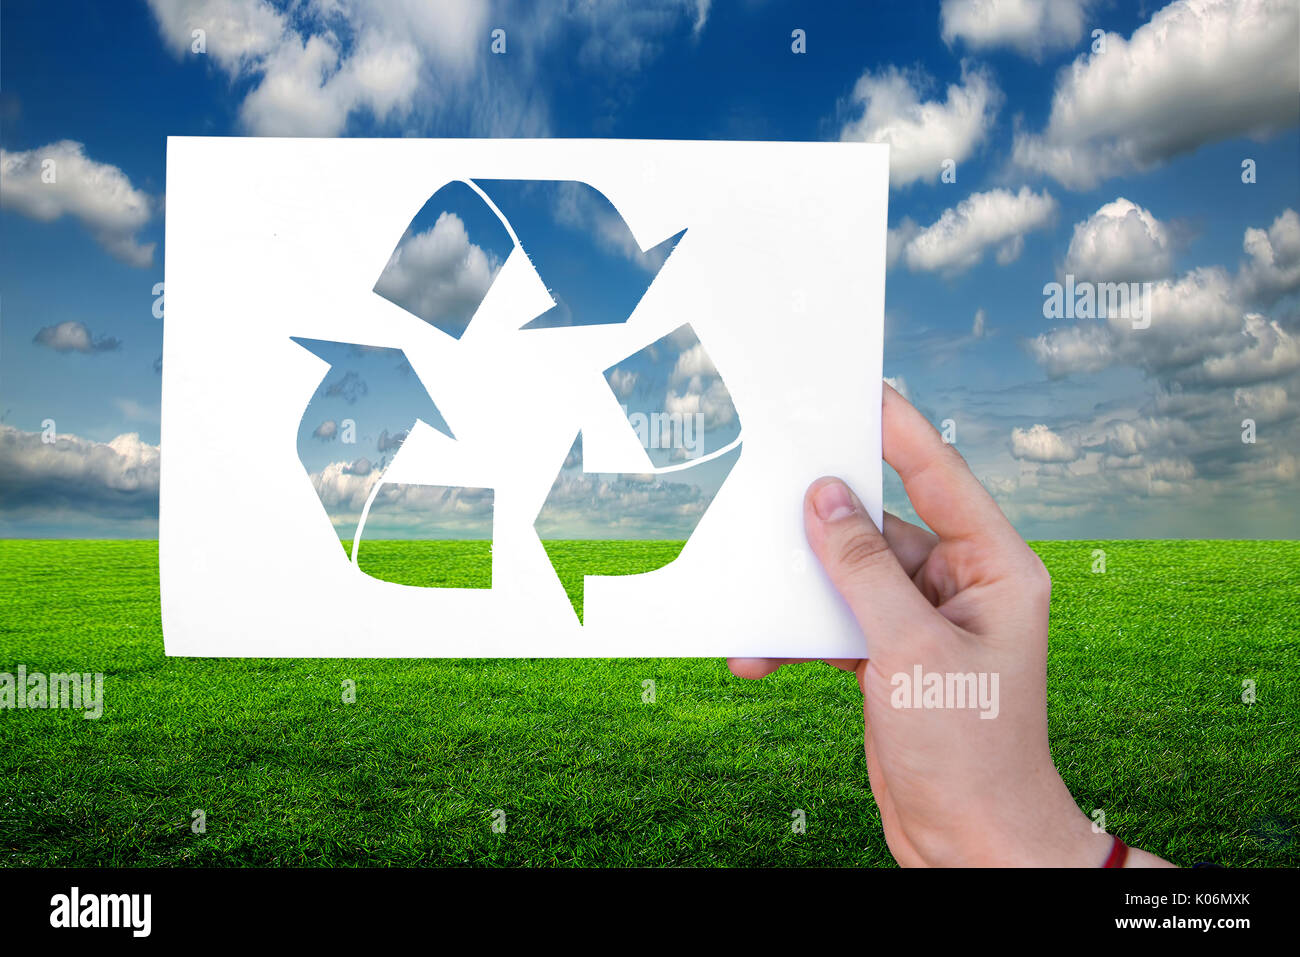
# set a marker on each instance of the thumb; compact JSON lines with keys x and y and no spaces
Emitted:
{"x":861,"y":565}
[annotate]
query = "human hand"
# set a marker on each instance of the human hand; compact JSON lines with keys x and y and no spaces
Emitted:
{"x":972,"y":785}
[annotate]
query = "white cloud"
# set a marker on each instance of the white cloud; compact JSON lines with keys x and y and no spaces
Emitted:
{"x":1212,"y":360}
{"x":311,"y":67}
{"x":623,"y":381}
{"x":1120,"y":242}
{"x":1267,"y":403}
{"x":453,"y":33}
{"x":1267,"y":351}
{"x":237,"y":33}
{"x":1204,"y":325}
{"x":399,"y":508}
{"x":73,"y":336}
{"x":97,"y":194}
{"x":1200,"y":71}
{"x":978,"y":329}
{"x":691,"y":363}
{"x":1029,"y":26}
{"x":624,"y":37}
{"x":1273,"y":269}
{"x":439,"y":274}
{"x":703,"y":395}
{"x":340,"y":488}
{"x":1081,"y":348}
{"x":1191,"y":317}
{"x":960,"y":237}
{"x":310,"y":88}
{"x":896,"y":240}
{"x":596,"y":505}
{"x":694,"y":385}
{"x":1040,"y":444}
{"x":103,"y":479}
{"x":701,"y":15}
{"x":315,"y":66}
{"x":1125,"y":440}
{"x":922,"y":134}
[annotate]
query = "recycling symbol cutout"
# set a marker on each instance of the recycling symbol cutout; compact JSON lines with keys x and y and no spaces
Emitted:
{"x":440,"y":271}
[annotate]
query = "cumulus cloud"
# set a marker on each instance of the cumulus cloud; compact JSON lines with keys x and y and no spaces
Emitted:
{"x":694,"y":385}
{"x":341,"y":490}
{"x":1273,"y":267}
{"x":117,"y":479}
{"x":1081,"y":348}
{"x":1192,"y":316}
{"x":236,"y":33}
{"x":73,"y":336}
{"x":1200,"y":71}
{"x":960,"y":238}
{"x":59,"y":180}
{"x":310,"y":75}
{"x":978,"y":328}
{"x":1183,"y":444}
{"x":430,"y":511}
{"x":401,"y":509}
{"x":590,"y":504}
{"x":1120,"y":242}
{"x":922,"y":134}
{"x":623,"y":382}
{"x":310,"y":69}
{"x":708,"y":396}
{"x":311,"y":87}
{"x":1266,"y":403}
{"x":1028,"y":26}
{"x":439,"y":273}
{"x":326,"y":431}
{"x":1267,"y":351}
{"x":1212,"y":359}
{"x":1205,"y":325}
{"x":1040,"y":444}
{"x":692,"y":362}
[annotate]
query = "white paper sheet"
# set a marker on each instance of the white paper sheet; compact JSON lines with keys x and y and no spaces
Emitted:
{"x":780,"y":273}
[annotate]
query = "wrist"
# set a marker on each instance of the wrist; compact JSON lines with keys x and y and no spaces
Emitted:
{"x":1050,"y":831}
{"x":1070,"y":840}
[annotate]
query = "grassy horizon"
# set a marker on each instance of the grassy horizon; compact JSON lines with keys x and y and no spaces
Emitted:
{"x":1144,"y":687}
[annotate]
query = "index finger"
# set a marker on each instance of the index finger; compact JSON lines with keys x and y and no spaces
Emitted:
{"x":939,"y":483}
{"x":762,"y":667}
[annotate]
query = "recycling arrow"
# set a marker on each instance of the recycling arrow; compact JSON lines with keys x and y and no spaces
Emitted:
{"x":589,"y":495}
{"x":581,"y":247}
{"x":399,"y":394}
{"x":596,"y":273}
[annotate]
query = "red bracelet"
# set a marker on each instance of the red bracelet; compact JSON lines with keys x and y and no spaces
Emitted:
{"x":1118,"y":854}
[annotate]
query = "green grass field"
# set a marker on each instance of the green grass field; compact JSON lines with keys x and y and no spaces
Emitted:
{"x":1145,"y":695}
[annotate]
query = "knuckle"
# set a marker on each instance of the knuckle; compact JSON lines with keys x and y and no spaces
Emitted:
{"x":862,"y":549}
{"x":1036,"y":574}
{"x":953,"y":459}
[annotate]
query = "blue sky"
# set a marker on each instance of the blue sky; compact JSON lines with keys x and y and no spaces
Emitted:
{"x":1122,"y":162}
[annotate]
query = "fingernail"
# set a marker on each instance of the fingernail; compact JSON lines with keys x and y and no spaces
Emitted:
{"x":833,"y":501}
